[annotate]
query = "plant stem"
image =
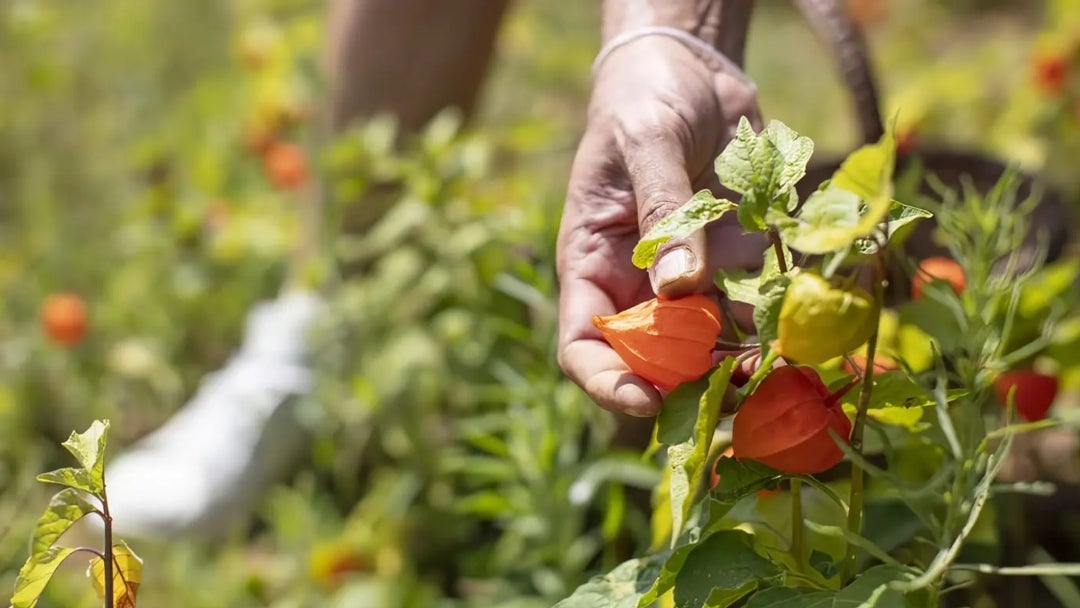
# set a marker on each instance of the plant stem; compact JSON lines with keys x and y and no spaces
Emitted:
{"x":858,"y":476}
{"x":108,"y":554}
{"x":797,"y":529}
{"x":778,"y":247}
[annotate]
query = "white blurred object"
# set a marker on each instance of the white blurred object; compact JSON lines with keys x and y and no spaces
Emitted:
{"x":207,"y":465}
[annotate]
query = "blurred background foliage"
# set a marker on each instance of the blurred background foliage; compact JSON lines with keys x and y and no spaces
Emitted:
{"x":451,"y":465}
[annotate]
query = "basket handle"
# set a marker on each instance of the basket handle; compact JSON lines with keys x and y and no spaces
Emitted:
{"x":835,"y":27}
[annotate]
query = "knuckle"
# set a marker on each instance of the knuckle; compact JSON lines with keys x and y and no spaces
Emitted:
{"x":657,"y":205}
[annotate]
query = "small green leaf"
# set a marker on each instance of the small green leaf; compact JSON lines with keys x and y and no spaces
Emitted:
{"x":675,"y":424}
{"x":620,"y":588}
{"x":35,"y":574}
{"x":735,"y":166}
{"x":722,"y":598}
{"x":752,"y":211}
{"x":66,"y":507}
{"x":686,"y":460}
{"x":89,"y":449}
{"x":740,"y":286}
{"x":901,"y":215}
{"x":698,"y":212}
{"x":909,"y":418}
{"x":725,"y":561}
{"x":767,"y":314}
{"x":740,"y":478}
{"x":666,"y":580}
{"x":79,"y":479}
{"x":794,"y":149}
{"x":764,"y":169}
{"x":895,"y":389}
{"x":829,"y":221}
{"x":127,"y":575}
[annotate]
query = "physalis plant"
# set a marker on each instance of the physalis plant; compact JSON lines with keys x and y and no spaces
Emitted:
{"x":835,"y":361}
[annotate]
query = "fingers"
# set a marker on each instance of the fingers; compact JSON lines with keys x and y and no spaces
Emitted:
{"x":596,"y":238}
{"x":657,"y":168}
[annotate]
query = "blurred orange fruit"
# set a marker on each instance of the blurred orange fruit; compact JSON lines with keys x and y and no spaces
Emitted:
{"x":285,"y":165}
{"x":937,"y":269}
{"x":64,"y":318}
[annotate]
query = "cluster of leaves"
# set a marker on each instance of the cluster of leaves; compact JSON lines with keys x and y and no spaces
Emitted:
{"x":722,"y":546}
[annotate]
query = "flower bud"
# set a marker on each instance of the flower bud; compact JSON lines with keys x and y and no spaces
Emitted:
{"x":666,"y":342}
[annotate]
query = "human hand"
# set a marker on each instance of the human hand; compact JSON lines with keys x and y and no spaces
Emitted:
{"x":658,"y":117}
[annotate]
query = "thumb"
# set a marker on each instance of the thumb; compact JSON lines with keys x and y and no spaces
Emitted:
{"x":661,"y":185}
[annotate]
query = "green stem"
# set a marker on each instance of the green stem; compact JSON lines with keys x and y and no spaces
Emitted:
{"x":778,"y":247}
{"x":858,"y":475}
{"x":108,"y":554}
{"x":797,"y":528}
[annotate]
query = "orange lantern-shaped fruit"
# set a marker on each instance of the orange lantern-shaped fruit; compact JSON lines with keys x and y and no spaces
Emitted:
{"x":666,"y":342}
{"x":937,"y":269}
{"x":785,"y":423}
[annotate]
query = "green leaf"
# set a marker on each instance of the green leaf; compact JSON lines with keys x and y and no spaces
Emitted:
{"x":698,"y":212}
{"x":675,"y":424}
{"x":127,"y":575}
{"x":686,"y":460}
{"x":909,"y":418}
{"x":735,"y":165}
{"x":764,"y":169}
{"x":726,"y":562}
{"x":741,"y":478}
{"x":35,"y":574}
{"x":794,"y":149}
{"x":722,"y":598}
{"x":767,"y":313}
{"x":79,"y":479}
{"x":901,"y":215}
{"x":89,"y":449}
{"x":620,"y":588}
{"x":66,"y":507}
{"x":666,"y":579}
{"x":829,"y":221}
{"x":740,"y":285}
{"x":868,"y":171}
{"x":869,"y":590}
{"x":894,"y":389}
{"x":788,"y":597}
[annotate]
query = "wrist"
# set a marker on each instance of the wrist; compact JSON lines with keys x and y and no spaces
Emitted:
{"x":720,"y":23}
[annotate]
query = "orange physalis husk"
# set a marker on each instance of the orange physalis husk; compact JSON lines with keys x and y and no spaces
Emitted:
{"x":937,"y":269}
{"x":666,"y":342}
{"x":785,"y":423}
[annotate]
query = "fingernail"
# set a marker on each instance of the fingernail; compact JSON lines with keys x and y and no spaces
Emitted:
{"x":672,"y":266}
